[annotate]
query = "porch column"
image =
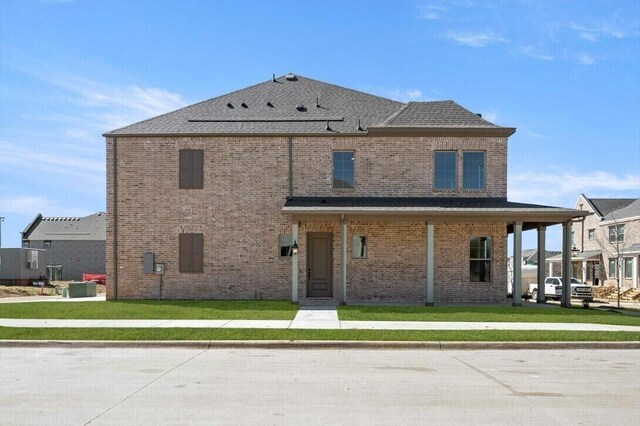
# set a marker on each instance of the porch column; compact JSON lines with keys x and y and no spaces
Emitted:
{"x":542,"y":259}
{"x":343,"y":258}
{"x":294,"y":264}
{"x":517,"y":264}
{"x":550,"y":269}
{"x":566,"y":265}
{"x":428,"y":297}
{"x":584,"y":271}
{"x":634,"y":271}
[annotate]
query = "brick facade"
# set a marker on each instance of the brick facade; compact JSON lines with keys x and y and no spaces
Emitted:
{"x":239,"y":214}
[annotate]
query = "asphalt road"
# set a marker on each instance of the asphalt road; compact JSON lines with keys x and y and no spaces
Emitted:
{"x":326,"y":386}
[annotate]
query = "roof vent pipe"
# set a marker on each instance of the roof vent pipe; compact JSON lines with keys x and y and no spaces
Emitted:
{"x":359,"y":126}
{"x":328,"y":127}
{"x":273,"y":78}
{"x":317,"y":102}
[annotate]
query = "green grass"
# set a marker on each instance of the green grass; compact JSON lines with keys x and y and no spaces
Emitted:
{"x":484,"y":313}
{"x":152,"y":309}
{"x":272,"y":334}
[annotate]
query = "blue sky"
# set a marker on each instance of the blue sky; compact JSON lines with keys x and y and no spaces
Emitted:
{"x":566,"y":74}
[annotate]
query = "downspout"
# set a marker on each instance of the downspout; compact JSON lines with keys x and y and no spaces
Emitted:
{"x":290,"y":167}
{"x":115,"y":218}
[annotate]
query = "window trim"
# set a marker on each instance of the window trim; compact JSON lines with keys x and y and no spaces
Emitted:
{"x":616,"y":233}
{"x":628,"y":269}
{"x":484,"y":171}
{"x":482,"y":259}
{"x":591,"y":234}
{"x":455,"y":169}
{"x":333,"y":169}
{"x":613,"y":271}
{"x":46,"y":244}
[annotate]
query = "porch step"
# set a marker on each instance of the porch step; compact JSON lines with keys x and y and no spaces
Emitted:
{"x":318,"y":301}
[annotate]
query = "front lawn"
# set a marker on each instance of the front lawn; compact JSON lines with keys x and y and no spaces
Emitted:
{"x":484,"y":314}
{"x":288,"y":334}
{"x":152,"y":309}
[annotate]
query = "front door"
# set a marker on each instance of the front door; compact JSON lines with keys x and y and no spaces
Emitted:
{"x":319,"y":265}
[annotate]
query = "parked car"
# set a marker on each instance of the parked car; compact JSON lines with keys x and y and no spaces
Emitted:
{"x":553,"y":289}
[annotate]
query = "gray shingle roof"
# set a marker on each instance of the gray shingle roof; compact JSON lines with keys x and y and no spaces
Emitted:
{"x":302,"y":105}
{"x":478,"y":203}
{"x":605,"y":206}
{"x":88,"y":228}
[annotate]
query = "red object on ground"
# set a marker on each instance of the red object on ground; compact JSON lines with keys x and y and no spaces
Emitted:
{"x":98,"y":278}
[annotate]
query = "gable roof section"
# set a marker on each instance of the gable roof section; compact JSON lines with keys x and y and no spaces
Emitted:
{"x":604,"y":207}
{"x":89,"y":228}
{"x":626,"y":212}
{"x":296,"y":105}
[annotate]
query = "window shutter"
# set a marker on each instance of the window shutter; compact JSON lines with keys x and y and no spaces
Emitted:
{"x":197,"y":252}
{"x":186,"y":156}
{"x":197,"y":166}
{"x":185,"y":252}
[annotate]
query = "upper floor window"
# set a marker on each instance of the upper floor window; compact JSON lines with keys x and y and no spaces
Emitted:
{"x":343,"y":170}
{"x":47,"y":244}
{"x":591,"y":234}
{"x":445,"y":170}
{"x":191,"y":252}
{"x":26,"y":244}
{"x":480,"y":259}
{"x":616,"y":231}
{"x":473,"y":170}
{"x":191,"y":168}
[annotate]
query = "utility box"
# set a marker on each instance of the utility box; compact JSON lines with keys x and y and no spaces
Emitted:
{"x":82,"y":289}
{"x":149,"y":262}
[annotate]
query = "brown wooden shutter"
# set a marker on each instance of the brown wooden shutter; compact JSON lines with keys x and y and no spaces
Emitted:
{"x":186,"y":159}
{"x":197,"y":168}
{"x":197,"y":252}
{"x":185,"y":252}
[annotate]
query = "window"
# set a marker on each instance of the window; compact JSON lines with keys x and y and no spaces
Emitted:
{"x":628,"y":268}
{"x":616,"y":231}
{"x":480,"y":259}
{"x":191,"y":168}
{"x":573,"y":234}
{"x":473,"y":170}
{"x":591,"y":234}
{"x":47,"y":244}
{"x":25,"y":244}
{"x":359,"y":247}
{"x":191,"y":252}
{"x":343,"y":169}
{"x":612,"y":268}
{"x":286,"y":245}
{"x":445,"y":170}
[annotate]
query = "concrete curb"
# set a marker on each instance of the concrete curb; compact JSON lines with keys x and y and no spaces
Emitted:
{"x":312,"y":344}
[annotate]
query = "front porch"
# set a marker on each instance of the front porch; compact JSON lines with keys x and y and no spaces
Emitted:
{"x":416,"y":250}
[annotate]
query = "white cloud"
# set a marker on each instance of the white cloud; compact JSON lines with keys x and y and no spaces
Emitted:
{"x":559,"y":187}
{"x":431,"y":12}
{"x":535,"y":53}
{"x":475,"y":39}
{"x":31,"y":205}
{"x":584,"y":58}
{"x":594,"y":33}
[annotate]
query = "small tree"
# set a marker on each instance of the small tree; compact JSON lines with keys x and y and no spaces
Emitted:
{"x":614,"y":249}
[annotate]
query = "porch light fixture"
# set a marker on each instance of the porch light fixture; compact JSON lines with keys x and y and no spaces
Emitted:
{"x":294,"y":248}
{"x":575,"y":252}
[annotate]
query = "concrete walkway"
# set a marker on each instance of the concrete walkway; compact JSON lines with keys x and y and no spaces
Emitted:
{"x":321,"y":317}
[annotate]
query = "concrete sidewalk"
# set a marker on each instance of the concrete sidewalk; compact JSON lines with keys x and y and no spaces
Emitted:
{"x":311,"y":318}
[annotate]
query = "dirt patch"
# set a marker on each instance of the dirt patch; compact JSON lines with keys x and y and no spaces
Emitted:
{"x":49,"y":290}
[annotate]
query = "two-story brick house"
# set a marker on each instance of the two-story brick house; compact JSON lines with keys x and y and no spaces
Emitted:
{"x":298,"y":189}
{"x":607,"y":242}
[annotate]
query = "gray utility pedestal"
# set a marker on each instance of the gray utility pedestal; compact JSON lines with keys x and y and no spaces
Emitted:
{"x":82,"y":289}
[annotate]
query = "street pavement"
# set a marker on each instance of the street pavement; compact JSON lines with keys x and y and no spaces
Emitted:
{"x":172,"y":386}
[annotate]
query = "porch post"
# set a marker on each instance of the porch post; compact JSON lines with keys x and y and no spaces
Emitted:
{"x":517,"y":264}
{"x":429,"y":283}
{"x":343,"y":258}
{"x":566,"y":265}
{"x":584,"y":271}
{"x":542,"y":259}
{"x":294,"y":264}
{"x":634,"y":271}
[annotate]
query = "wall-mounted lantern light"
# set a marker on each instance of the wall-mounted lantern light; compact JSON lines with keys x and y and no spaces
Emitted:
{"x":294,"y":248}
{"x":575,"y":252}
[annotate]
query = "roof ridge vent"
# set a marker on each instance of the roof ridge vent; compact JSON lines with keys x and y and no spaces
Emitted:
{"x":301,"y":107}
{"x":291,"y":77}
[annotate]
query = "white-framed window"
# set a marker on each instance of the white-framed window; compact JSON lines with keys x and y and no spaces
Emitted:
{"x":445,"y":170}
{"x":286,"y":245}
{"x":591,"y":234}
{"x":628,"y":268}
{"x":616,"y":232}
{"x":359,"y":247}
{"x":47,"y":244}
{"x":473,"y":170}
{"x":480,"y":259}
{"x":343,"y":169}
{"x":612,"y":268}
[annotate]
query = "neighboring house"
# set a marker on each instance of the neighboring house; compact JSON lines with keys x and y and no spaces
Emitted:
{"x":298,"y":189}
{"x":607,"y":243}
{"x":21,"y":266}
{"x":530,"y":257}
{"x":74,"y":245}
